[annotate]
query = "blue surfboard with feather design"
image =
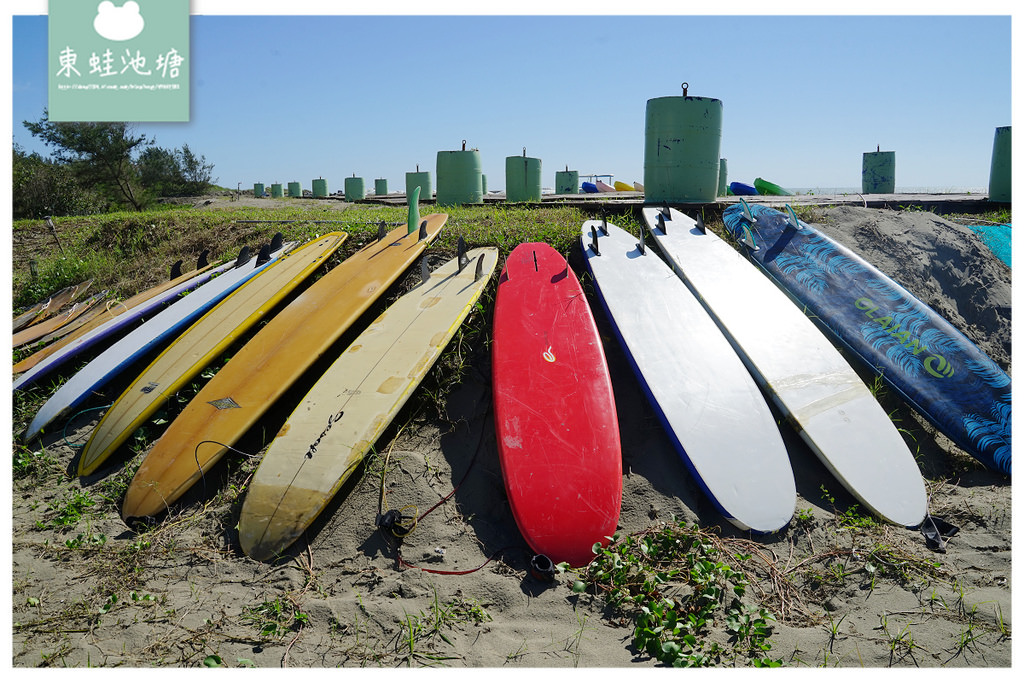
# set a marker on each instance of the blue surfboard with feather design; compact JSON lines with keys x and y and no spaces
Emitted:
{"x":931,"y":364}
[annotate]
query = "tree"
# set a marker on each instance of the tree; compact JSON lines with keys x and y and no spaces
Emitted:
{"x":174,"y":173}
{"x":100,"y":154}
{"x":41,"y":187}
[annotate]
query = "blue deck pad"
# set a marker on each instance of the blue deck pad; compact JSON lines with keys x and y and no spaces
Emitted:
{"x":932,"y":365}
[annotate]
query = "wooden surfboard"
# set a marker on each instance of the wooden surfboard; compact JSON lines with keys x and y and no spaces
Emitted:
{"x":710,"y":406}
{"x":49,"y":307}
{"x":557,"y":429}
{"x":933,"y":366}
{"x":346,"y":411}
{"x":798,"y":368}
{"x":159,"y":329}
{"x":39,"y":330}
{"x":98,"y":315}
{"x":200,"y":345}
{"x":262,"y":370}
{"x":116,"y":319}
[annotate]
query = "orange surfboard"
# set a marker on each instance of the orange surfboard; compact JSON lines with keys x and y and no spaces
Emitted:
{"x":262,"y":370}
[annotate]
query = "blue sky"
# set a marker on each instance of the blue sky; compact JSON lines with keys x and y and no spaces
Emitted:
{"x":284,"y":98}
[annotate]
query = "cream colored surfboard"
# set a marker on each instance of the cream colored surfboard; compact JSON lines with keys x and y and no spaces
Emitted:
{"x":199,"y":345}
{"x":353,"y":402}
{"x":262,"y":370}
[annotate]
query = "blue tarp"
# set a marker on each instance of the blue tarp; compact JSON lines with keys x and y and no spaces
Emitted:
{"x":996,"y":238}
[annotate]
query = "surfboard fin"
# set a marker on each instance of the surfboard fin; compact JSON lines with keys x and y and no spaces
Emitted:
{"x":748,"y":236}
{"x":423,"y":230}
{"x":746,"y":212}
{"x":424,"y":270}
{"x":243,"y":257}
{"x":463,"y":259}
{"x":414,"y":210}
{"x":203,"y":262}
{"x":176,"y":269}
{"x":660,"y":223}
{"x":593,"y":241}
{"x":641,"y":247}
{"x":700,"y":225}
{"x":277,"y":242}
{"x":791,"y":219}
{"x":382,"y":231}
{"x":479,"y":268}
{"x":748,"y":239}
{"x":263,"y":256}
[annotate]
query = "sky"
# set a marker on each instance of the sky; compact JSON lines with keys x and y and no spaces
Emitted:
{"x":278,"y":98}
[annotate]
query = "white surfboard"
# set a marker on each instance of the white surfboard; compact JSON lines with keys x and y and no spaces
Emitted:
{"x":353,"y":402}
{"x":798,"y":368}
{"x":160,"y":327}
{"x":709,"y":404}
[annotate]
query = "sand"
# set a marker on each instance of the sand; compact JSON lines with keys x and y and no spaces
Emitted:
{"x":94,"y":593}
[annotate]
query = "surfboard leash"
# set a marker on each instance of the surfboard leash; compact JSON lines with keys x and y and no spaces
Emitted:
{"x":64,"y":432}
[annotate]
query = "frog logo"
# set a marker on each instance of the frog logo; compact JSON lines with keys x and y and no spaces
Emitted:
{"x":118,"y":23}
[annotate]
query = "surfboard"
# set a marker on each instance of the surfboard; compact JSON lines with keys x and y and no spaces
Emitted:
{"x":769,"y":188}
{"x":353,"y":402}
{"x":603,"y":186}
{"x":933,"y":366}
{"x":589,"y":188}
{"x":93,"y":318}
{"x":30,"y":334}
{"x":798,"y":369}
{"x":200,"y":345}
{"x":148,"y":336}
{"x":116,"y":319}
{"x":44,"y":309}
{"x":623,"y":187}
{"x":709,"y":404}
{"x":742,"y":189}
{"x":267,"y":365}
{"x":554,"y":411}
{"x":638,"y":186}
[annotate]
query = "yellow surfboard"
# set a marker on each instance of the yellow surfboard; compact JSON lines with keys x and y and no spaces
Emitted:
{"x":353,"y":403}
{"x":200,"y":345}
{"x":247,"y":386}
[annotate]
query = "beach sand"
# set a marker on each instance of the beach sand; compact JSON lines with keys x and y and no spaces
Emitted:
{"x":94,"y":593}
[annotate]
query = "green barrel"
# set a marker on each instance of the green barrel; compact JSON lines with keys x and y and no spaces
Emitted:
{"x":276,"y":190}
{"x":682,"y":145}
{"x":258,"y":189}
{"x":723,"y":176}
{"x":567,"y":182}
{"x":422,"y":180}
{"x":522,"y":179}
{"x":295,"y":189}
{"x":459,"y":178}
{"x":319,"y":187}
{"x":878,"y":174}
{"x":380,"y":187}
{"x":355,"y":189}
{"x":1000,"y":178}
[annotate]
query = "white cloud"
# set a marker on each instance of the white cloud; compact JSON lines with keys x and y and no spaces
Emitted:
{"x":118,"y":23}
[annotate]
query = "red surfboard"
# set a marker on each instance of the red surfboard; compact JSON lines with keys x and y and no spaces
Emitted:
{"x":557,"y":431}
